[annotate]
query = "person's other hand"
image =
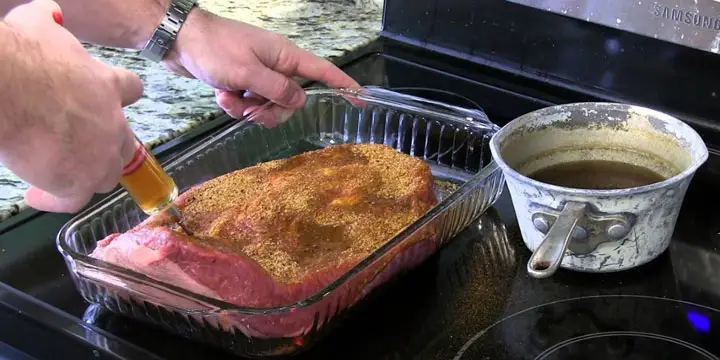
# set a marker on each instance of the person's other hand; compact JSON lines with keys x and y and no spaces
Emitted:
{"x":246,"y":64}
{"x":70,"y":138}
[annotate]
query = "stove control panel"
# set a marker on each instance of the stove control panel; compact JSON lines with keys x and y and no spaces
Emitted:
{"x":692,"y":23}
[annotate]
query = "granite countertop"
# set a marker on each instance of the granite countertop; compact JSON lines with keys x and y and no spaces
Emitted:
{"x":172,"y":104}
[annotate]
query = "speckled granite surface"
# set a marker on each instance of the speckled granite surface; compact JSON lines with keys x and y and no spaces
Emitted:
{"x":329,"y":28}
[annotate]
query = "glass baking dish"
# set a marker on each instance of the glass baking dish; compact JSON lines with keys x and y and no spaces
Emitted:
{"x":452,"y":140}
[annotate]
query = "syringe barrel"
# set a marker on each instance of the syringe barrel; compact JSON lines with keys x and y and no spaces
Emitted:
{"x":147,"y":182}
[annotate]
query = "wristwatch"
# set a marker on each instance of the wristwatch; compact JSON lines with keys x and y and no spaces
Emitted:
{"x":166,"y":33}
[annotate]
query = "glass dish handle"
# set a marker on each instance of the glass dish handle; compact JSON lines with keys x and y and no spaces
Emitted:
{"x":476,"y":114}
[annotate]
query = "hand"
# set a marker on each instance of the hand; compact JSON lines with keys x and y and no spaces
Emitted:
{"x":246,"y":64}
{"x":69,"y":136}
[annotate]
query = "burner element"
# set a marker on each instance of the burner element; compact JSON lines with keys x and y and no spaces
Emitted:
{"x":601,"y":327}
{"x":624,"y":345}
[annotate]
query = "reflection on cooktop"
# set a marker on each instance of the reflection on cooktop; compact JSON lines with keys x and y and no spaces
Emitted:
{"x":601,"y":327}
{"x":8,"y":352}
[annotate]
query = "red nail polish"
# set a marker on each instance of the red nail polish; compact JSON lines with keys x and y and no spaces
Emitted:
{"x":57,"y":16}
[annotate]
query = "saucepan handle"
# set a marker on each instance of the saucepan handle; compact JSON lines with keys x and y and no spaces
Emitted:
{"x":547,"y":257}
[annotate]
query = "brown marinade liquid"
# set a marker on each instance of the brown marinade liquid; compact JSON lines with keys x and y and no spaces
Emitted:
{"x":597,"y":175}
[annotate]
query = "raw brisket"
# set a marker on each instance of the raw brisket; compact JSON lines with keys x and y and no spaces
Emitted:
{"x":276,"y":233}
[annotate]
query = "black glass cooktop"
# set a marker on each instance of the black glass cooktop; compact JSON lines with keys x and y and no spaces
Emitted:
{"x":472,"y":300}
{"x":601,"y":327}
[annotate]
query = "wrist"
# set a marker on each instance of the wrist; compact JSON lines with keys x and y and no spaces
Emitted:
{"x":171,"y":26}
{"x":145,"y":29}
{"x":188,"y":35}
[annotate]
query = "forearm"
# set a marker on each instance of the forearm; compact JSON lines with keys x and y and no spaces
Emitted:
{"x":117,"y":23}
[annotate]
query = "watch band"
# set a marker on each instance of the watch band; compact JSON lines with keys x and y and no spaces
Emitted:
{"x":165,"y":34}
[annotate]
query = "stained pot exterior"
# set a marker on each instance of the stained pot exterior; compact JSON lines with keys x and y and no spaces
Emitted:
{"x":654,"y":208}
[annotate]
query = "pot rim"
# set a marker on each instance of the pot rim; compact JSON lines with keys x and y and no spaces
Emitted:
{"x":512,"y":173}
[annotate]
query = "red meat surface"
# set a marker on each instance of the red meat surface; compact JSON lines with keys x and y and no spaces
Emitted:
{"x":276,"y":233}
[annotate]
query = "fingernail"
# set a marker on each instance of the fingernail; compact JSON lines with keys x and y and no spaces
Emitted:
{"x":298,"y":98}
{"x":57,"y":16}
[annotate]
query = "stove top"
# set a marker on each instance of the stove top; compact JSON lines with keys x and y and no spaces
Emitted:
{"x":472,"y":300}
{"x":600,"y":327}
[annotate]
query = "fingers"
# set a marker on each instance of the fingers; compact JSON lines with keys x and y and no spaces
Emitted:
{"x":129,"y":85}
{"x":45,"y":201}
{"x":272,"y":116}
{"x":37,"y":11}
{"x":313,"y":67}
{"x":230,"y":102}
{"x":237,"y":105}
{"x":276,"y":87}
{"x":129,"y":146}
{"x":112,"y":176}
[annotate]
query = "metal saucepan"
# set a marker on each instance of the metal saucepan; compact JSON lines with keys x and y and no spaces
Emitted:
{"x":596,"y":230}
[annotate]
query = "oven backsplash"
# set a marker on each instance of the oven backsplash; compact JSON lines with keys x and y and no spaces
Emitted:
{"x":561,"y":42}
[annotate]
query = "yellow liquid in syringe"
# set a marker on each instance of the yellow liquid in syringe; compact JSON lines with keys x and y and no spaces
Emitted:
{"x":148,"y":183}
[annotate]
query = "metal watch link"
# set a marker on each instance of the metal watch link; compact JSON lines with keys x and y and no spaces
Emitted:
{"x":165,"y":34}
